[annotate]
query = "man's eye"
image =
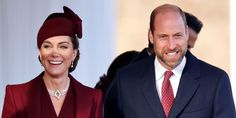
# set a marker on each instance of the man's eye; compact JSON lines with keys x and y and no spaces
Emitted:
{"x":163,"y":37}
{"x":178,"y":36}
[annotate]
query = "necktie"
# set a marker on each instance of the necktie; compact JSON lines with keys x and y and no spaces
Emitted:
{"x":167,"y":93}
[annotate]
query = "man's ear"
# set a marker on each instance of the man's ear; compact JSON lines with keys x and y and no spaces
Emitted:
{"x":150,"y":36}
{"x":187,"y":32}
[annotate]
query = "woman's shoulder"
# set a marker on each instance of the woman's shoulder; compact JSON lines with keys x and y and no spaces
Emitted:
{"x":81,"y":86}
{"x":21,"y":86}
{"x":85,"y":90}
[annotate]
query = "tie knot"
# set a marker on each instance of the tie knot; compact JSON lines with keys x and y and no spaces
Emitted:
{"x":168,"y":74}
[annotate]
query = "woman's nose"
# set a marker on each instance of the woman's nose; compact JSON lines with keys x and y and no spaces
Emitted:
{"x":55,"y":52}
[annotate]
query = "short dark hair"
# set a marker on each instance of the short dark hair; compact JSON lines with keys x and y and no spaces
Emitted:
{"x":193,"y":22}
{"x":120,"y":61}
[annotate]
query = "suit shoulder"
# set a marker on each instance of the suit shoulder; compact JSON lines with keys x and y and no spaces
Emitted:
{"x":204,"y":67}
{"x":209,"y":68}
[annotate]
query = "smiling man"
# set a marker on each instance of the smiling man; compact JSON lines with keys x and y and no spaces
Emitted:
{"x":173,"y":83}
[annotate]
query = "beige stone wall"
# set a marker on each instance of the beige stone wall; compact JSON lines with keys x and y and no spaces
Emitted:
{"x":213,"y":42}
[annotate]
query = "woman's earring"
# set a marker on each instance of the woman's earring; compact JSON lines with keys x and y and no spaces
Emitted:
{"x":72,"y":64}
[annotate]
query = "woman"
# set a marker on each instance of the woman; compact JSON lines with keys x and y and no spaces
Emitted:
{"x":55,"y":93}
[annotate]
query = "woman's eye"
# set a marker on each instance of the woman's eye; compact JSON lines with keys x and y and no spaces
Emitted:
{"x":64,"y":47}
{"x":46,"y":46}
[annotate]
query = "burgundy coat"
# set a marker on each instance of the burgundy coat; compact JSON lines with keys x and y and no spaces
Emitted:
{"x":23,"y":100}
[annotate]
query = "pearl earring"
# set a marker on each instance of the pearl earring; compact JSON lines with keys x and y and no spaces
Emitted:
{"x":72,"y":64}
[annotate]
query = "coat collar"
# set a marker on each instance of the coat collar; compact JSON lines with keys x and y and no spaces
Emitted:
{"x":33,"y":108}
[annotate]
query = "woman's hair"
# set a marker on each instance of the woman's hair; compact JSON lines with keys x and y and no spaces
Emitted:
{"x":75,"y":43}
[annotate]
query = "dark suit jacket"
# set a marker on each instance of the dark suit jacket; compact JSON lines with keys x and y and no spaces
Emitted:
{"x":204,"y":92}
{"x":23,"y":100}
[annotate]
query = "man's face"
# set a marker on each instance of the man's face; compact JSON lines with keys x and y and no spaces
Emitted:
{"x":169,"y":37}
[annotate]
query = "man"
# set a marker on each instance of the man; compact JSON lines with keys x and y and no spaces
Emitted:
{"x":190,"y":89}
{"x":194,"y":28}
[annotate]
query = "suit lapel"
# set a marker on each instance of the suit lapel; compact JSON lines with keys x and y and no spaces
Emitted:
{"x":187,"y":87}
{"x":149,"y":90}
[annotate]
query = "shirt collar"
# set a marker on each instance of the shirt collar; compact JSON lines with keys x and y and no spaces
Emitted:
{"x":160,"y":70}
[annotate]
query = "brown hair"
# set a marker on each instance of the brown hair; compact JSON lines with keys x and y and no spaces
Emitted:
{"x":165,"y":7}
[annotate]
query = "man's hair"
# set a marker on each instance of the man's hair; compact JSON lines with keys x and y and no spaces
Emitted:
{"x":193,"y":22}
{"x":166,"y":7}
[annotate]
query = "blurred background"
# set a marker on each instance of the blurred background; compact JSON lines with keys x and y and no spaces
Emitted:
{"x":110,"y":27}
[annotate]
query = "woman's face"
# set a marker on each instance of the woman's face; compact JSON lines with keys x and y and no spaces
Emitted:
{"x":57,"y":54}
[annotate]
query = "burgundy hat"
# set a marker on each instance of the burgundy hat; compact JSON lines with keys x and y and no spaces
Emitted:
{"x":60,"y":24}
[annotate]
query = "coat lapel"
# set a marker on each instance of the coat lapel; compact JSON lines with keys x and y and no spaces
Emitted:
{"x":33,"y":108}
{"x":149,"y":90}
{"x":79,"y":101}
{"x":188,"y":85}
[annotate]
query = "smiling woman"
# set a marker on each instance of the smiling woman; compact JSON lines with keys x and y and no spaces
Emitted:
{"x":57,"y":54}
{"x":55,"y":92}
{"x":19,"y":25}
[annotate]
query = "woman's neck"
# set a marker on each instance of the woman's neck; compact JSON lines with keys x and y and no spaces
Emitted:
{"x":54,"y":83}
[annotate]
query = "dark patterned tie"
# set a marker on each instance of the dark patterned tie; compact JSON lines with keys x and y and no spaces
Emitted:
{"x":167,"y":93}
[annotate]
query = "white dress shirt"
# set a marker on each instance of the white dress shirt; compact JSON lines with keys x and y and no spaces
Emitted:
{"x":174,"y":79}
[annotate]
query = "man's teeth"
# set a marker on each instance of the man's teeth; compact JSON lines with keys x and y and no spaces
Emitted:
{"x":171,"y":53}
